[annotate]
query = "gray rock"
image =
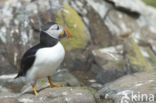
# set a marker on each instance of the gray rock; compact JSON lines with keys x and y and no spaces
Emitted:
{"x":120,"y":24}
{"x":111,"y":62}
{"x":149,"y":55}
{"x":134,"y":58}
{"x":93,"y":13}
{"x":5,"y":66}
{"x":138,"y":84}
{"x":65,"y":77}
{"x":130,"y":5}
{"x":63,"y":95}
{"x":52,"y":95}
{"x":106,"y":76}
{"x":96,"y":86}
{"x":78,"y":59}
{"x":9,"y":85}
{"x":13,"y":85}
{"x":110,"y":54}
{"x":124,"y":24}
{"x":101,"y":36}
{"x":9,"y":100}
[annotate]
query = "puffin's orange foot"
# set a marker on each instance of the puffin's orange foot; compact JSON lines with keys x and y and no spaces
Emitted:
{"x":56,"y":85}
{"x":53,"y":85}
{"x":35,"y":90}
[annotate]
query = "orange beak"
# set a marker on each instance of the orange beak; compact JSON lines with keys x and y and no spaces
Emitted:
{"x":68,"y":33}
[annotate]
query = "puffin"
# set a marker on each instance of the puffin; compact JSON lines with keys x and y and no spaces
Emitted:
{"x":43,"y":59}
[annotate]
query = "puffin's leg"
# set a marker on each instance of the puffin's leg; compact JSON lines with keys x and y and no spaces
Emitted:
{"x":34,"y":90}
{"x":53,"y":85}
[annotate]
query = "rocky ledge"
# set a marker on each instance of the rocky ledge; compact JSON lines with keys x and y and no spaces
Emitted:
{"x":131,"y":89}
{"x":54,"y":95}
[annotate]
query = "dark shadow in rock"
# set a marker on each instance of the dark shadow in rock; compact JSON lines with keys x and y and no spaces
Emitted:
{"x":43,"y":88}
{"x":109,"y":75}
{"x":135,"y":15}
{"x":125,"y":10}
{"x":32,"y":92}
{"x":28,"y":92}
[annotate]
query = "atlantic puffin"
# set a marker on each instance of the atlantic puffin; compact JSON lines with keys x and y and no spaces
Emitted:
{"x":44,"y":58}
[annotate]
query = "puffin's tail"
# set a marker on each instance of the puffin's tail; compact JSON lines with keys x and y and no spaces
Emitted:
{"x":16,"y":76}
{"x":20,"y":74}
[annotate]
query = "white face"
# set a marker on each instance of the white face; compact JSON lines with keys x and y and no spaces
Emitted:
{"x":55,"y":30}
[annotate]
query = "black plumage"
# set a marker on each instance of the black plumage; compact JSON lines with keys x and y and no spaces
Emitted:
{"x":29,"y":56}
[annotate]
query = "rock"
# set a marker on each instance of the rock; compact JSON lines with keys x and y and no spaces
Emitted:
{"x":93,"y":13}
{"x":120,"y":24}
{"x":109,"y":54}
{"x":111,"y":62}
{"x":116,"y":61}
{"x":9,"y":85}
{"x":96,"y":86}
{"x":131,"y":85}
{"x":150,"y":14}
{"x":128,"y":5}
{"x":136,"y":7}
{"x":13,"y":85}
{"x":16,"y":24}
{"x":75,"y":26}
{"x":147,"y":37}
{"x":53,"y":95}
{"x":101,"y":36}
{"x":149,"y":55}
{"x":5,"y":66}
{"x":96,"y":13}
{"x":63,"y":95}
{"x":65,"y":77}
{"x":9,"y":100}
{"x":106,"y":76}
{"x":100,"y":6}
{"x":134,"y":57}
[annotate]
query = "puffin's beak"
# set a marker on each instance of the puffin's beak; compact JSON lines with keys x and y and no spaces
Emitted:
{"x":67,"y":33}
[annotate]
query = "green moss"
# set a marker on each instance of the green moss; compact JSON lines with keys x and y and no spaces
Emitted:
{"x":152,"y":58}
{"x":150,"y":2}
{"x":135,"y":57}
{"x":73,"y":23}
{"x":117,"y":64}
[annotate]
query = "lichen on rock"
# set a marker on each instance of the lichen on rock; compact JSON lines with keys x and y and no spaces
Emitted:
{"x":149,"y":55}
{"x":69,"y":19}
{"x":134,"y":56}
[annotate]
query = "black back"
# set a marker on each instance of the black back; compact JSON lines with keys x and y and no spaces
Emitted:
{"x":29,"y":56}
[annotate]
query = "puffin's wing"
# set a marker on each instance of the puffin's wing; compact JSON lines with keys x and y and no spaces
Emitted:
{"x":27,"y":61}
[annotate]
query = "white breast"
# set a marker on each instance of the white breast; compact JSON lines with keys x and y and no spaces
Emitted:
{"x":46,"y":62}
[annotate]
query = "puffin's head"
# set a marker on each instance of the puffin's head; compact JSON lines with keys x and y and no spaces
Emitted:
{"x":55,"y":30}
